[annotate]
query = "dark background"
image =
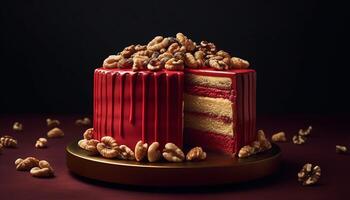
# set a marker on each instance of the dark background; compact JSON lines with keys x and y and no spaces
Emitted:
{"x":49,"y":49}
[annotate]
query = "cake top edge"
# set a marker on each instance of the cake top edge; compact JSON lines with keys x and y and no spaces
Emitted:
{"x":174,"y":54}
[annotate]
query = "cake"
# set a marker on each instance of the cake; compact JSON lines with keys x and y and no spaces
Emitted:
{"x":173,"y":90}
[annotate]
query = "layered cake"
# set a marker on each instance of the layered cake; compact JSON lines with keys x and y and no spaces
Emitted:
{"x":173,"y":90}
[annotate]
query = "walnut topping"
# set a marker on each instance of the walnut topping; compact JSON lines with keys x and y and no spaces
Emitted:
{"x":279,"y":137}
{"x":309,"y":174}
{"x":186,"y":52}
{"x":172,"y":153}
{"x":196,"y":154}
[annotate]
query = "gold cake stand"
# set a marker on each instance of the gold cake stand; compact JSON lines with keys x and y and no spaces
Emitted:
{"x":216,"y":169}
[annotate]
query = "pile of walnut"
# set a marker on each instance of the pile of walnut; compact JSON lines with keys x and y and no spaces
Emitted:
{"x":173,"y":54}
{"x":257,"y":146}
{"x":37,"y":168}
{"x":109,"y":148}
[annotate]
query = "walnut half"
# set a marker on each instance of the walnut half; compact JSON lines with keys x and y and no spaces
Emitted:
{"x":309,"y":174}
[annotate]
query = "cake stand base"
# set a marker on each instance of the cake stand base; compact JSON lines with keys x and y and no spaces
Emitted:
{"x":216,"y":169}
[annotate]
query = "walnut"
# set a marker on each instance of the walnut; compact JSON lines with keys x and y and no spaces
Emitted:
{"x":172,"y":153}
{"x":125,"y":153}
{"x":140,"y":62}
{"x":89,"y":145}
{"x":1,"y":147}
{"x":140,"y":150}
{"x":17,"y":126}
{"x":184,"y":41}
{"x":112,"y":61}
{"x":108,"y":147}
{"x":309,"y":174}
{"x":305,"y":132}
{"x":223,"y":54}
{"x":83,"y":122}
{"x":196,"y":154}
{"x":41,"y":143}
{"x":174,"y":64}
{"x":217,"y":64}
{"x":128,"y":51}
{"x":190,"y":61}
{"x":179,"y":56}
{"x":155,"y":64}
{"x":279,"y":137}
{"x":298,"y":139}
{"x":125,"y":63}
{"x":89,"y":133}
{"x":146,"y":52}
{"x":51,"y":123}
{"x":341,"y":149}
{"x":164,"y":57}
{"x":55,"y":133}
{"x":246,"y":151}
{"x":139,"y":47}
{"x":26,"y":164}
{"x":44,"y":170}
{"x":207,"y":47}
{"x":158,"y":43}
{"x":238,"y":63}
{"x":173,"y":48}
{"x":153,"y":153}
{"x":8,"y":141}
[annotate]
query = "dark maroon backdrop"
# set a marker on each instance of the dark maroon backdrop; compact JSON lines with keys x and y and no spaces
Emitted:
{"x":319,"y":149}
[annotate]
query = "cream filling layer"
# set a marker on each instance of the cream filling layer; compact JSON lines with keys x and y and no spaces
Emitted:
{"x":209,"y":81}
{"x":208,"y":124}
{"x":216,"y":106}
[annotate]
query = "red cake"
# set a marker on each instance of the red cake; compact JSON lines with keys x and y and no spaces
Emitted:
{"x":175,"y":99}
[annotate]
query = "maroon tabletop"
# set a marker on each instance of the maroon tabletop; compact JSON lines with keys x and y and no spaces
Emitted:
{"x":319,"y":149}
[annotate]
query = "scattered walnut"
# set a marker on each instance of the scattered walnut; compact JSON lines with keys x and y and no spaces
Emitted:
{"x":8,"y":141}
{"x":83,"y":122}
{"x":309,"y":174}
{"x":153,"y":153}
{"x":112,"y":61}
{"x":44,"y":170}
{"x":41,"y":143}
{"x":89,"y":133}
{"x":17,"y":126}
{"x":196,"y":154}
{"x":298,"y":139}
{"x":341,"y":149}
{"x":238,"y":63}
{"x":125,"y":153}
{"x":305,"y":132}
{"x":174,"y":64}
{"x":140,"y":150}
{"x":108,"y":147}
{"x":246,"y":151}
{"x":51,"y":123}
{"x":172,"y":153}
{"x":155,"y":64}
{"x":26,"y":164}
{"x":279,"y":137}
{"x":55,"y":133}
{"x":1,"y":147}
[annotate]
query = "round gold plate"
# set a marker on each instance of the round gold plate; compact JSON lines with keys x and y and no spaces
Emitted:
{"x":216,"y":169}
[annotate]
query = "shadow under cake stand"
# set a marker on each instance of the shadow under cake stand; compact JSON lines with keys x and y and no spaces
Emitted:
{"x":216,"y":169}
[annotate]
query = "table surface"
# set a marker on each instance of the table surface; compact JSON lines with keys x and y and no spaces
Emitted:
{"x":319,"y":149}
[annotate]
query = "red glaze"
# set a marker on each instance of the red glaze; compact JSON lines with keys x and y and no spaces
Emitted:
{"x":132,"y":106}
{"x":244,"y":109}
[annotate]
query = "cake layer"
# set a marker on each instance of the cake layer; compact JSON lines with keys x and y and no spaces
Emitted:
{"x":209,"y":141}
{"x":216,"y":106}
{"x":208,"y":124}
{"x":210,"y":92}
{"x":132,"y":106}
{"x":209,"y":81}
